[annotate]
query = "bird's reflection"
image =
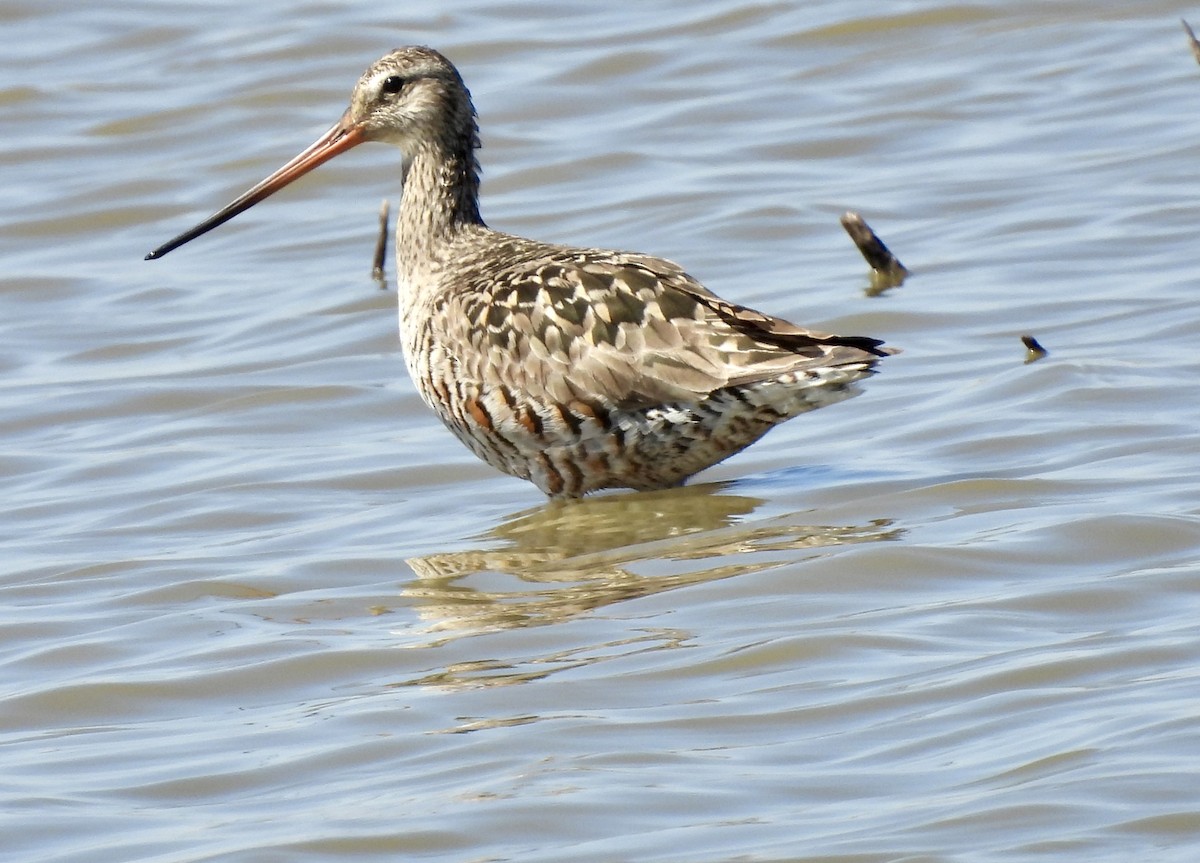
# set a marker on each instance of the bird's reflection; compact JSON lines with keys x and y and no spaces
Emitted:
{"x":566,"y":558}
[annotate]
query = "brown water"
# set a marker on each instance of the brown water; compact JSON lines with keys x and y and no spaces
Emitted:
{"x":257,"y":605}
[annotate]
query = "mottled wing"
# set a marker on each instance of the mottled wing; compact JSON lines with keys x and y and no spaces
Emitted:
{"x":631,"y":331}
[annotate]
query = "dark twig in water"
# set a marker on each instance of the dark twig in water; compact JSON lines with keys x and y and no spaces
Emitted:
{"x":381,"y":242}
{"x":1191,"y":39}
{"x":886,"y":269}
{"x":1033,"y":350}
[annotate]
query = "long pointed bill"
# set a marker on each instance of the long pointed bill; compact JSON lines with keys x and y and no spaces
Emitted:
{"x":340,"y":138}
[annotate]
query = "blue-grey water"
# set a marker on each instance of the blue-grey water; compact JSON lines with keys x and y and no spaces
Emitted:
{"x":256,"y":604}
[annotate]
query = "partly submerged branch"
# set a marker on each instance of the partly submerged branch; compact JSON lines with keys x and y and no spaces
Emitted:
{"x":886,"y":269}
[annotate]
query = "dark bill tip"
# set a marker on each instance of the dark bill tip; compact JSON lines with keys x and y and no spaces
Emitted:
{"x":341,"y":137}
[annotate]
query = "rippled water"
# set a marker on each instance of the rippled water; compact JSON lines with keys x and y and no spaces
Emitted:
{"x":258,"y":605}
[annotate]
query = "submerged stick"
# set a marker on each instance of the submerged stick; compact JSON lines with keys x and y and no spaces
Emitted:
{"x":381,"y":242}
{"x":886,"y":269}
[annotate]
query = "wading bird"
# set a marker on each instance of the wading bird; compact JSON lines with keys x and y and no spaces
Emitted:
{"x":577,"y":369}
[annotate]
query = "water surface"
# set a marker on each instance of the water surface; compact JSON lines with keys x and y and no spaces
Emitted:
{"x":258,"y":605}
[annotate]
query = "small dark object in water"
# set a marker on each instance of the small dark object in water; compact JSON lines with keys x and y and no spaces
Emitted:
{"x":886,"y":269}
{"x":1033,"y":350}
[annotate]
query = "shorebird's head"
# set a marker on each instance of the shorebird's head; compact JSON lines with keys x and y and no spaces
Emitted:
{"x":412,"y":98}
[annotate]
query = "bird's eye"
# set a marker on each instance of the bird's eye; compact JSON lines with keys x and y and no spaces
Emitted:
{"x":392,"y":84}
